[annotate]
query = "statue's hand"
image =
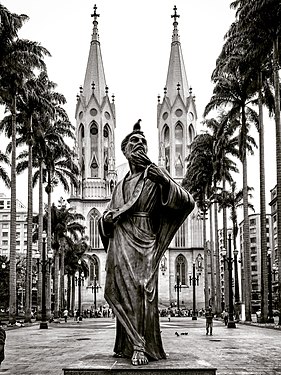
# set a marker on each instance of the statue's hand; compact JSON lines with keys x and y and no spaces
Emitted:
{"x":156,"y":175}
{"x":107,"y":217}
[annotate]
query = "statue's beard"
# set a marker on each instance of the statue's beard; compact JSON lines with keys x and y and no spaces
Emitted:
{"x":138,"y":157}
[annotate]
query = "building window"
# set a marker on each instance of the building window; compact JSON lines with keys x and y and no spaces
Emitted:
{"x":5,"y":226}
{"x":167,"y":147}
{"x":179,"y":150}
{"x":181,"y":268}
{"x":94,"y":135}
{"x":4,"y":234}
{"x":180,"y":236}
{"x":252,"y":221}
{"x":94,"y":233}
{"x":1,"y":205}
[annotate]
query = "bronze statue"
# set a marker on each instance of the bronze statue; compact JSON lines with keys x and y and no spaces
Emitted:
{"x":146,"y":209}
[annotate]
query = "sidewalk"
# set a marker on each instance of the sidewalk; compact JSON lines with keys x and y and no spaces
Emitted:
{"x":247,"y":349}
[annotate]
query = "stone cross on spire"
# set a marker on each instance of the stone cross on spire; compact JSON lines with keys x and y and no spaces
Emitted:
{"x":175,"y":23}
{"x":95,"y":36}
{"x":95,"y":15}
{"x":175,"y":15}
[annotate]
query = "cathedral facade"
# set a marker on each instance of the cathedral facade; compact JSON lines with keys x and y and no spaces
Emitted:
{"x":95,"y":135}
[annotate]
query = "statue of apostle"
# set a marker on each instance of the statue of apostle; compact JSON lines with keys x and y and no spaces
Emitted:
{"x":146,"y":209}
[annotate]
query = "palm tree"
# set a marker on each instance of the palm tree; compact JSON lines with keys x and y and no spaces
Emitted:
{"x":18,"y":60}
{"x":201,"y":177}
{"x":235,"y":89}
{"x":260,"y":21}
{"x":65,"y":227}
{"x":74,"y":253}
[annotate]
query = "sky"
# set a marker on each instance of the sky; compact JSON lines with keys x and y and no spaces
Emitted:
{"x":135,"y":39}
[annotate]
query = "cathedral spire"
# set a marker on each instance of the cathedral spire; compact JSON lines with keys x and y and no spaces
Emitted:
{"x":95,"y":71}
{"x":176,"y":71}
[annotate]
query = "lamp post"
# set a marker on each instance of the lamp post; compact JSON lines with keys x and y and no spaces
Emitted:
{"x":95,"y":289}
{"x":270,"y":318}
{"x":80,"y":279}
{"x":195,"y":280}
{"x":236,"y":283}
{"x":178,"y":288}
{"x":45,"y":261}
{"x":229,"y":260}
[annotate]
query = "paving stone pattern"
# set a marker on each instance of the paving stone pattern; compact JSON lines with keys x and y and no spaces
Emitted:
{"x":247,"y":349}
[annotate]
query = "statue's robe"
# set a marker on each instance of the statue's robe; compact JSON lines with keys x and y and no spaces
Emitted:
{"x":147,"y":217}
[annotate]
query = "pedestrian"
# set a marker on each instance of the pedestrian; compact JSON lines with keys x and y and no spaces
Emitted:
{"x":225,"y":316}
{"x":209,"y":321}
{"x":65,"y":315}
{"x":75,"y":315}
{"x":169,"y":315}
{"x":2,"y":344}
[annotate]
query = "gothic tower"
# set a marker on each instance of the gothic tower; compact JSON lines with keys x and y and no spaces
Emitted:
{"x":95,"y":145}
{"x":176,"y":123}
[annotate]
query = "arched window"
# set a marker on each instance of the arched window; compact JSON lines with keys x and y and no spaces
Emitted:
{"x":94,"y":269}
{"x":106,"y":136}
{"x":81,"y":137}
{"x":94,"y":135}
{"x":166,"y":133}
{"x":180,"y":236}
{"x":181,"y":268}
{"x":179,"y":149}
{"x":190,"y":133}
{"x":94,"y":233}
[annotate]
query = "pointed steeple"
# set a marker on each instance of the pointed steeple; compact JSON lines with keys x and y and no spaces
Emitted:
{"x":176,"y":70}
{"x":94,"y":76}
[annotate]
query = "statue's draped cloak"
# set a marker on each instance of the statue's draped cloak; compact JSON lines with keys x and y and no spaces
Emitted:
{"x":135,"y":246}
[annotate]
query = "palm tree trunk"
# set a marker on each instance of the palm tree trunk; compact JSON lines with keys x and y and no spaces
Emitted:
{"x":49,"y":245}
{"x":28,"y":278}
{"x":62,"y":295}
{"x":56,"y":285}
{"x":13,"y":218}
{"x":278,"y":158}
{"x":246,"y":243}
{"x":73,"y":292}
{"x":68,"y":305}
{"x":224,"y":220}
{"x":217,"y":257}
{"x":206,"y":276}
{"x":264,"y":273}
{"x":40,"y":239}
{"x":212,"y":258}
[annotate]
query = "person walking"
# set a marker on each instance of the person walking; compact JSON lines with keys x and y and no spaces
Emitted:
{"x":225,"y":317}
{"x":65,"y":315}
{"x":209,"y":321}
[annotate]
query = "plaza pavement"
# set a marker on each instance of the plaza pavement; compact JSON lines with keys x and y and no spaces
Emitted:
{"x":247,"y":349}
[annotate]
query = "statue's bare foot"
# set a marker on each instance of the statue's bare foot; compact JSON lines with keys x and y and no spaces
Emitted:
{"x":139,"y":358}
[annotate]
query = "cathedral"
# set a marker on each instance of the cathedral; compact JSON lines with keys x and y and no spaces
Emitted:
{"x":96,"y":124}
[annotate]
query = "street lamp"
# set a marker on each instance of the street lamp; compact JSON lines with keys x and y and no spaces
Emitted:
{"x":195,"y":281}
{"x":229,"y":260}
{"x":80,"y":279}
{"x":45,"y":261}
{"x":270,"y":318}
{"x":236,"y":283}
{"x":178,"y":289}
{"x":95,"y":289}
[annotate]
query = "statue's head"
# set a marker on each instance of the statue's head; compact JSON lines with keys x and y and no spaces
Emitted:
{"x":134,"y":146}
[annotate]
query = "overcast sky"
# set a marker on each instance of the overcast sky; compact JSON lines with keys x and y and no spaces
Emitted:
{"x":135,"y":39}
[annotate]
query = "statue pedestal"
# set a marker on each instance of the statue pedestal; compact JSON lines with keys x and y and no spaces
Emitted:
{"x":95,"y":365}
{"x":139,"y":371}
